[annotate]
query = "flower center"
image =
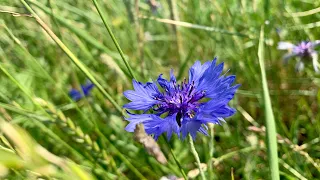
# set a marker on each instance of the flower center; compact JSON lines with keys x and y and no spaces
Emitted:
{"x":182,"y":99}
{"x":304,"y":49}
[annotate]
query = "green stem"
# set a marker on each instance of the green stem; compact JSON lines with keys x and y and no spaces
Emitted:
{"x":176,"y":159}
{"x":113,"y":38}
{"x":75,"y":60}
{"x":178,"y":164}
{"x":196,"y":156}
{"x":211,"y":151}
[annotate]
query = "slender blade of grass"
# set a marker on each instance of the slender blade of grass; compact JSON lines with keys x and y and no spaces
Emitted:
{"x":175,"y":159}
{"x":113,"y":38}
{"x":270,"y":122}
{"x":194,"y":26}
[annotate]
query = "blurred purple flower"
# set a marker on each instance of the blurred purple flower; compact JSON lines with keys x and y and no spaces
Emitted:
{"x":154,"y":5}
{"x":77,"y":95}
{"x":304,"y":51}
{"x":185,"y":107}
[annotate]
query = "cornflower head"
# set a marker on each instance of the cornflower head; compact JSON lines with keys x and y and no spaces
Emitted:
{"x":77,"y":94}
{"x":304,"y":51}
{"x":182,"y":108}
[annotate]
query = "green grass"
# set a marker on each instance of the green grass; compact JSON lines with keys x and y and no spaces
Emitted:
{"x":41,"y":62}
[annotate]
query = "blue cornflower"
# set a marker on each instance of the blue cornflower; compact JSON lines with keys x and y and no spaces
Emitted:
{"x":182,"y":108}
{"x":77,"y":95}
{"x":304,"y":51}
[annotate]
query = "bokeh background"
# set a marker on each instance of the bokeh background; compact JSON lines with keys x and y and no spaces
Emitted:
{"x":155,"y":36}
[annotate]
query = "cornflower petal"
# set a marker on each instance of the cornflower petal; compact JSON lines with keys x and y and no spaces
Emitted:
{"x":168,"y":86}
{"x":192,"y":127}
{"x":87,"y":88}
{"x":77,"y":95}
{"x":288,"y":56}
{"x":197,"y":70}
{"x":315,"y":63}
{"x":285,"y":46}
{"x":210,"y":76}
{"x":143,"y":97}
{"x":136,"y":119}
{"x":159,"y":126}
{"x":153,"y":124}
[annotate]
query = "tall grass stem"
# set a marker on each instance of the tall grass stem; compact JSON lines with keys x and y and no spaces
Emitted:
{"x":113,"y":38}
{"x":270,"y":122}
{"x":176,"y":159}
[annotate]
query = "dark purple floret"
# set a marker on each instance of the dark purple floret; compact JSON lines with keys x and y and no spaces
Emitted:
{"x":184,"y":107}
{"x":77,"y":95}
{"x":182,"y":99}
{"x":304,"y":49}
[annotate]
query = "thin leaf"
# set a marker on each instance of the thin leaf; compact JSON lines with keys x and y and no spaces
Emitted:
{"x":270,"y":122}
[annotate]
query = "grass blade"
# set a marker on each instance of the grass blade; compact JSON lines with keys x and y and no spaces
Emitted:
{"x":114,"y":39}
{"x":194,"y":26}
{"x":175,"y":159}
{"x":270,"y":122}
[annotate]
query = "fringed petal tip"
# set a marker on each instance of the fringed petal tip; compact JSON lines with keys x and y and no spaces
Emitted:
{"x":143,"y":97}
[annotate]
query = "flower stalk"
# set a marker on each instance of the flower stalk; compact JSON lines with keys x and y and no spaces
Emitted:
{"x":196,"y":156}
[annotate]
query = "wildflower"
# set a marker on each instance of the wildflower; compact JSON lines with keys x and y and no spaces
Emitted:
{"x":185,"y":107}
{"x":304,"y":51}
{"x":154,"y":5}
{"x":77,"y":95}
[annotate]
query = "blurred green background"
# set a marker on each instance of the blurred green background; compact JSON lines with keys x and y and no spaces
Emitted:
{"x":155,"y":36}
